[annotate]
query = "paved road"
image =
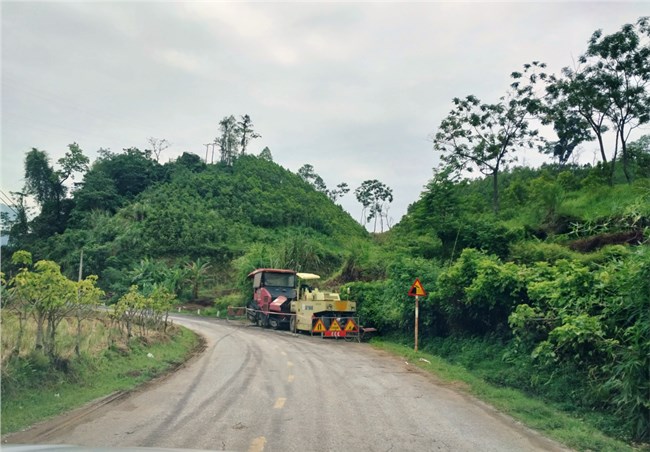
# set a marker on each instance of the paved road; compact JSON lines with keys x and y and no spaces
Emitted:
{"x":254,"y":390}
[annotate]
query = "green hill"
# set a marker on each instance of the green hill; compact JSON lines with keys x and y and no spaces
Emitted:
{"x":254,"y":213}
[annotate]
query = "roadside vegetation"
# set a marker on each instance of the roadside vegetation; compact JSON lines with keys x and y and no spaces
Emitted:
{"x":467,"y":374}
{"x":59,"y":350}
{"x":538,"y":279}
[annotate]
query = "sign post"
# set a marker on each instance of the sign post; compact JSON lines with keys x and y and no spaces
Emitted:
{"x":416,"y":291}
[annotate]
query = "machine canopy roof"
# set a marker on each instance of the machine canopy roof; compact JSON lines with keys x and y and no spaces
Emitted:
{"x":307,"y":276}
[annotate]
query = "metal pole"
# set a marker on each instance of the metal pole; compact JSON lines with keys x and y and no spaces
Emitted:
{"x":417,"y":315}
{"x":81,"y":264}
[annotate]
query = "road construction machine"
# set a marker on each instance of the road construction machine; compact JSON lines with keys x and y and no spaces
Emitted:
{"x":288,"y":299}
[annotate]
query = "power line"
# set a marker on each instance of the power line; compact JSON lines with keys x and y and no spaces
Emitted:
{"x":8,"y":202}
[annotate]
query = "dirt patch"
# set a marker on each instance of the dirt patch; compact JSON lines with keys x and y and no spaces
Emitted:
{"x":589,"y":244}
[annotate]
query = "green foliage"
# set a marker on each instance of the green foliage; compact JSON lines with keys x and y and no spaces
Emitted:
{"x":478,"y":292}
{"x":144,"y":311}
{"x":529,"y":252}
{"x":485,"y":136}
{"x":48,"y":296}
{"x":22,"y":257}
{"x":195,"y":274}
{"x":597,"y":324}
{"x":33,"y":389}
{"x":374,"y":197}
{"x":386,"y":305}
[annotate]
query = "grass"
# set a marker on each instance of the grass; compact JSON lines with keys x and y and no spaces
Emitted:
{"x":534,"y":413}
{"x":34,"y":390}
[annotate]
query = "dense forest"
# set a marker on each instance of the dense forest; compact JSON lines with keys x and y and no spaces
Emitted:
{"x":542,"y":273}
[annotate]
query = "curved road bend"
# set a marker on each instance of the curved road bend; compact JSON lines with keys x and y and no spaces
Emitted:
{"x":254,"y":390}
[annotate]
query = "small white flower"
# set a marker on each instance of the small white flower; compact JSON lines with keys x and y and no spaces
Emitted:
{"x":149,"y":355}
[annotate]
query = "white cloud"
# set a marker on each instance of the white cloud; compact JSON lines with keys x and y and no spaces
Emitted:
{"x":353,"y":89}
{"x":180,"y":60}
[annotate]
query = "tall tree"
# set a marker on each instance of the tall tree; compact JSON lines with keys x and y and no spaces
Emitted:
{"x":266,"y":154}
{"x":619,"y":64}
{"x":39,"y":176}
{"x":571,"y":130}
{"x":307,"y":173}
{"x":576,"y":94}
{"x":158,"y":145}
{"x":228,"y":141}
{"x":374,"y":196}
{"x":341,"y":190}
{"x":47,"y":185}
{"x":486,"y":136}
{"x":246,"y":132}
{"x":197,"y":272}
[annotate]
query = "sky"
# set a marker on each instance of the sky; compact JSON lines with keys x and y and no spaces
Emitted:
{"x":354,"y":89}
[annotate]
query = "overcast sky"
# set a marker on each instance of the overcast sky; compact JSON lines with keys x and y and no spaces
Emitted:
{"x":354,"y":89}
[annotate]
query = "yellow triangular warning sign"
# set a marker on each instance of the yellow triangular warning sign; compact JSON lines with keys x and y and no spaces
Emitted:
{"x":351,"y":326}
{"x":319,"y":327}
{"x":335,"y":326}
{"x":417,"y":289}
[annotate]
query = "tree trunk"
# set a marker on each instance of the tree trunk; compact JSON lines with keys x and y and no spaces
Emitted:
{"x":601,"y":146}
{"x":40,"y":320}
{"x":52,"y":325}
{"x":626,"y":170}
{"x":22,"y":318}
{"x":495,"y":191}
{"x":77,"y":345}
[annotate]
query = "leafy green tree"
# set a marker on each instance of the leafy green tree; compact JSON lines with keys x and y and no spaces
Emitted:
{"x":192,"y":162}
{"x":197,"y":272}
{"x":48,"y":186}
{"x":486,"y":136}
{"x":576,"y":95}
{"x":115,"y":179}
{"x":49,"y":297}
{"x":620,"y":64}
{"x":88,"y":297}
{"x":341,"y":190}
{"x":14,"y":300}
{"x":74,"y":161}
{"x":639,"y":151}
{"x":266,"y":154}
{"x":40,"y":178}
{"x":246,"y":132}
{"x":229,"y":140}
{"x":571,"y":130}
{"x":306,"y":173}
{"x":374,"y":196}
{"x":162,"y":301}
{"x":147,"y":274}
{"x":98,"y":192}
{"x":128,"y":307}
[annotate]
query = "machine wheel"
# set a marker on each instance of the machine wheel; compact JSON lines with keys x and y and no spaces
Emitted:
{"x":262,"y":320}
{"x":274,"y":322}
{"x":292,"y":324}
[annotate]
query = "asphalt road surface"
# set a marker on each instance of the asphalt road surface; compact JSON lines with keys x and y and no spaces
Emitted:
{"x":254,"y":390}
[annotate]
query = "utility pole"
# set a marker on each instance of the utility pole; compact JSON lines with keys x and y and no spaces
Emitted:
{"x":213,"y":146}
{"x":206,"y":152}
{"x":81,"y":265}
